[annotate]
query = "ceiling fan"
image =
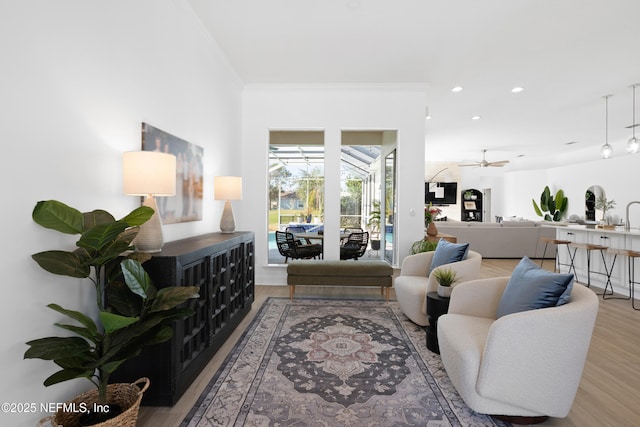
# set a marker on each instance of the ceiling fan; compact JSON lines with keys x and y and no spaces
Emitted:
{"x":484,"y":163}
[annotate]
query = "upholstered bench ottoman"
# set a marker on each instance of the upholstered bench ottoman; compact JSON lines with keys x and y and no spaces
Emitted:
{"x":340,"y":273}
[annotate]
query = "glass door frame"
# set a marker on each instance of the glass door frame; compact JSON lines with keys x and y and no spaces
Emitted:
{"x":389,"y":210}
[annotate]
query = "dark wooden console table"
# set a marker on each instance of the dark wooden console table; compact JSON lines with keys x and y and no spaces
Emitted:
{"x":223,"y":266}
{"x":436,"y":307}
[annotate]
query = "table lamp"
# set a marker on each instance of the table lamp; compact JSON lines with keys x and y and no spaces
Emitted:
{"x":149,"y":174}
{"x":227,"y":188}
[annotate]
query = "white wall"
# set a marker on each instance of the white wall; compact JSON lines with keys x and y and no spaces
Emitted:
{"x":331,"y":109}
{"x":618,"y":177}
{"x":483,"y":179}
{"x":512,"y":191}
{"x":78,"y":78}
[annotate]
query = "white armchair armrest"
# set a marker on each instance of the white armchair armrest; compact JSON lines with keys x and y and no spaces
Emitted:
{"x":479,"y":298}
{"x":466,"y":270}
{"x":417,"y":264}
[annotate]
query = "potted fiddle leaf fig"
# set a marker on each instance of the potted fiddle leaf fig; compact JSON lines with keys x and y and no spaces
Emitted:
{"x":550,"y":208}
{"x":132,"y":313}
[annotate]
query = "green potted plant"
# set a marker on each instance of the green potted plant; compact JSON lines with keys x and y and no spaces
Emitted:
{"x":604,"y":205}
{"x":373,"y":225}
{"x":132,"y":313}
{"x":550,"y":208}
{"x":445,"y":277}
{"x":430,"y":214}
{"x":423,"y":246}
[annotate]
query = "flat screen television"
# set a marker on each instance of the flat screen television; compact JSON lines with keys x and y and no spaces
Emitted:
{"x":441,"y":193}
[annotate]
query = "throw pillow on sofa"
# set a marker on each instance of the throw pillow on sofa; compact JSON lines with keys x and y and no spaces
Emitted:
{"x":447,"y":252}
{"x":531,"y":287}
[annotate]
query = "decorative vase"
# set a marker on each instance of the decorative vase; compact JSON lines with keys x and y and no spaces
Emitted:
{"x":444,"y":291}
{"x":431,"y":229}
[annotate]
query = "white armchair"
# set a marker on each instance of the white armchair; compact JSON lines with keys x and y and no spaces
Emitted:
{"x":525,"y":364}
{"x":413,"y":283}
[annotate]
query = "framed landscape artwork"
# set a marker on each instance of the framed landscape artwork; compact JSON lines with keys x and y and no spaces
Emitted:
{"x":186,"y":205}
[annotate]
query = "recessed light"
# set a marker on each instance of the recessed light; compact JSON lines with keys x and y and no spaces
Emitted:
{"x":517,"y":89}
{"x":475,"y":118}
{"x":457,"y":89}
{"x":429,"y":117}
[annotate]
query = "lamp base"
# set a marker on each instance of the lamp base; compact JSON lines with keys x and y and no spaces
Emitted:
{"x":150,"y":238}
{"x":227,"y":222}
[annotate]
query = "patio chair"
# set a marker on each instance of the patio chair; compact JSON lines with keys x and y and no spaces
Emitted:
{"x":289,"y":247}
{"x":297,"y":229}
{"x":355,"y":246}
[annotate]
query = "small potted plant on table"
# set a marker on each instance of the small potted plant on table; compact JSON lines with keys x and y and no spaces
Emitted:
{"x":445,"y":277}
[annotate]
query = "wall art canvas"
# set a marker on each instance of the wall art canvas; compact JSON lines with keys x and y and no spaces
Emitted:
{"x":186,"y":205}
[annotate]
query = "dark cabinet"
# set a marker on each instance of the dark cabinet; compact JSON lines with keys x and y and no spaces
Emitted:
{"x":471,"y":209}
{"x":223,"y":266}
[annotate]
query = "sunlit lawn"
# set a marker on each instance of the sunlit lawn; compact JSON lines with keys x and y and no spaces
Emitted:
{"x":286,"y":216}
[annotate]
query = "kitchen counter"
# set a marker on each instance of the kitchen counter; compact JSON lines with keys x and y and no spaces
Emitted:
{"x":600,"y":263}
{"x":634,"y":231}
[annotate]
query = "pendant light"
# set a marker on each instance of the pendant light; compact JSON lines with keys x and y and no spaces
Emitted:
{"x":633,"y":146}
{"x":607,"y":150}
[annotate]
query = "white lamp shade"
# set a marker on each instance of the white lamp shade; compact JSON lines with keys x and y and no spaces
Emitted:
{"x":228,"y":187}
{"x":149,"y":172}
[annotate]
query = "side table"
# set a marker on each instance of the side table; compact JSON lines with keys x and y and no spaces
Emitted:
{"x":436,"y":307}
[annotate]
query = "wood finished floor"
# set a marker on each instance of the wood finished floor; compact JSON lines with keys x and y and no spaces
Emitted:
{"x":609,"y":393}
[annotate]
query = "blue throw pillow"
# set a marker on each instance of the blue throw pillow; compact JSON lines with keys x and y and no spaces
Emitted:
{"x":531,"y":287}
{"x":447,"y":252}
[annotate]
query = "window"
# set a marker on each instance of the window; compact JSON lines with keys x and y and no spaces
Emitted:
{"x":359,"y":179}
{"x":296,"y":184}
{"x":297,"y":190}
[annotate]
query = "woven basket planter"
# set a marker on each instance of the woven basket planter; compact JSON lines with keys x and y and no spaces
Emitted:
{"x":128,"y":396}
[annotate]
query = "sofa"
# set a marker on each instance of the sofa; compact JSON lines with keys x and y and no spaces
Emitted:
{"x":508,"y":239}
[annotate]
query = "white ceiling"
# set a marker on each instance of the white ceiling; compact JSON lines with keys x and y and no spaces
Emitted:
{"x":566,"y":54}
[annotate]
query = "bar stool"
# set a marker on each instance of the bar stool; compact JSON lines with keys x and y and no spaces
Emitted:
{"x":631,"y":258}
{"x":557,"y":264}
{"x":590,"y":247}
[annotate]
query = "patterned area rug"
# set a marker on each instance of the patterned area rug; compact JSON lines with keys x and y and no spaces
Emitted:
{"x":320,"y":362}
